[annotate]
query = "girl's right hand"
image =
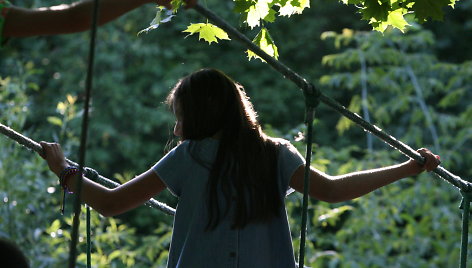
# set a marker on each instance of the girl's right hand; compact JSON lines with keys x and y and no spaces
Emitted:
{"x":431,"y":162}
{"x":53,"y":154}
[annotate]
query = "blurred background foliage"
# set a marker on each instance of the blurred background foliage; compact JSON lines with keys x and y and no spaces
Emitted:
{"x":415,"y":85}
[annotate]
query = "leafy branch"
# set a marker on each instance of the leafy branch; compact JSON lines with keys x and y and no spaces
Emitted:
{"x":380,"y":14}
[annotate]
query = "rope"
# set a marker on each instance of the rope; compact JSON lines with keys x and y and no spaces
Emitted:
{"x":83,"y":144}
{"x":309,"y":117}
{"x":311,"y":102}
{"x":89,"y":240}
{"x":465,"y":206}
{"x":90,"y":173}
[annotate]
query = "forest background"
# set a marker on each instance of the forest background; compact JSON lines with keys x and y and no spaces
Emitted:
{"x":415,"y":85}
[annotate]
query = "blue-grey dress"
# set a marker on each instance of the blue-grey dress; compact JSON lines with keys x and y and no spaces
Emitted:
{"x":185,"y":171}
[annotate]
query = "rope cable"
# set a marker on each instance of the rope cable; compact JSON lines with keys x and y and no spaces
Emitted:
{"x":309,"y":117}
{"x":83,"y":141}
{"x":465,"y":206}
{"x":89,"y":240}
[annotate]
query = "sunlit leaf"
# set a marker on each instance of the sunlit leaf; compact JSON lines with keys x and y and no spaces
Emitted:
{"x":293,"y":7}
{"x":207,"y":32}
{"x":259,"y":11}
{"x":396,"y":19}
{"x":265,"y":42}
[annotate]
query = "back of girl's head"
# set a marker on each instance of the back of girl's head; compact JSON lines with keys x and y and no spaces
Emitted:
{"x":209,"y":101}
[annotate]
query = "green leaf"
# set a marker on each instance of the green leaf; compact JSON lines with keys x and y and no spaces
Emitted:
{"x":452,"y":98}
{"x":425,"y":9}
{"x":259,"y":11}
{"x":176,"y":4}
{"x":395,"y":19}
{"x":265,"y":42}
{"x":352,"y":2}
{"x":293,"y":7}
{"x":55,"y":120}
{"x":115,"y":254}
{"x":374,"y":10}
{"x":271,"y":16}
{"x":158,"y":20}
{"x":241,"y":6}
{"x":55,"y":225}
{"x":207,"y":31}
{"x":333,"y":215}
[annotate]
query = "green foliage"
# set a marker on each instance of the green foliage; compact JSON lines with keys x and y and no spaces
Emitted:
{"x":113,"y":243}
{"x":381,"y":14}
{"x":33,"y":193}
{"x":43,"y":78}
{"x":406,"y":86}
{"x":392,"y":63}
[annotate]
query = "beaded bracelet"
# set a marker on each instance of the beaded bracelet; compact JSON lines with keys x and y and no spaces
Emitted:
{"x":65,"y":174}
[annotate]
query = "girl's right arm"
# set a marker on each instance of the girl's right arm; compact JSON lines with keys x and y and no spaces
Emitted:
{"x":108,"y":202}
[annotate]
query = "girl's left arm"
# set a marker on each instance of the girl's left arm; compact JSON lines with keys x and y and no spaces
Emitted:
{"x":108,"y":202}
{"x":352,"y":185}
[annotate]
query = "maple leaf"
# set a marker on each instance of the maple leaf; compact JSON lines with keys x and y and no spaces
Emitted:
{"x":395,"y":19}
{"x":207,"y":32}
{"x":374,"y":10}
{"x":258,"y":11}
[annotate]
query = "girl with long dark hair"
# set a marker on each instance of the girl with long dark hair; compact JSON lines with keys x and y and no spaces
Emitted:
{"x":231,"y":180}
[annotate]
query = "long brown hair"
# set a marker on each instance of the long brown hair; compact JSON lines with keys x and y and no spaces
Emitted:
{"x":244,"y":170}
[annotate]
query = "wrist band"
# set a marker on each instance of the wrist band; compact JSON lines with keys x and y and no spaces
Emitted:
{"x":65,"y":174}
